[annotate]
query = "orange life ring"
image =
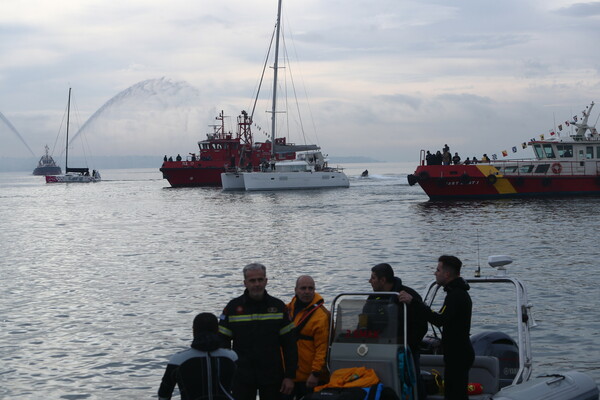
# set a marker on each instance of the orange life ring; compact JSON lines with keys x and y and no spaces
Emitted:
{"x":556,"y":168}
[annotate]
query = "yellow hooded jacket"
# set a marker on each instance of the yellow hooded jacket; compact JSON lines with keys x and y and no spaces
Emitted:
{"x":312,"y":338}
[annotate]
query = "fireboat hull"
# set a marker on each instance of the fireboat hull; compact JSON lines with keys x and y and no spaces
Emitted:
{"x":191,"y":174}
{"x":447,"y":182}
{"x":47,"y":171}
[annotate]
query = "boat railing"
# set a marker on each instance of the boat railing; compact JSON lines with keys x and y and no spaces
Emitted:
{"x":547,"y":167}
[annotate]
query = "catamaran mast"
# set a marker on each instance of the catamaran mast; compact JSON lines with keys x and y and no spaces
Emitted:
{"x":275,"y":67}
{"x":68,"y":118}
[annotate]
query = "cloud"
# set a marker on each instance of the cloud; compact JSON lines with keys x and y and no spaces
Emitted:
{"x":585,"y":10}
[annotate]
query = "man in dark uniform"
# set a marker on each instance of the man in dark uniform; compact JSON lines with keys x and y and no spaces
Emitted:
{"x":203,"y":371}
{"x":262,"y":335}
{"x":455,"y":320}
{"x":383,"y":280}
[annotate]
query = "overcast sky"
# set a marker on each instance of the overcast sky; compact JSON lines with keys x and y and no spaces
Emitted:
{"x":384,"y":78}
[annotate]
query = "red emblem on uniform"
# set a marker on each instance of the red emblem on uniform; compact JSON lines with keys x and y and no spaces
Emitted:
{"x":239,"y":310}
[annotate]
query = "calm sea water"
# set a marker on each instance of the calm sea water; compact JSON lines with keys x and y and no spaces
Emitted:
{"x":99,"y":283}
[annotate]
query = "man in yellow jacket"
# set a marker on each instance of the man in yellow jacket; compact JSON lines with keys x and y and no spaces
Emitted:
{"x":311,"y":319}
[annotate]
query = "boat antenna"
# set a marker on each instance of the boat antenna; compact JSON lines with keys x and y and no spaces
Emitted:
{"x":478,"y":271}
{"x":275,"y":67}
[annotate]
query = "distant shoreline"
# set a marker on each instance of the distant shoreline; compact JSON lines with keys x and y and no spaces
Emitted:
{"x":13,"y":164}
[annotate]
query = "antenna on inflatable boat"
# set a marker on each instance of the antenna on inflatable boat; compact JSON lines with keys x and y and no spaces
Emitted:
{"x":478,"y":271}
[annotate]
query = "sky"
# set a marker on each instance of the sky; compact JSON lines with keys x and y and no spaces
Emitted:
{"x":384,"y":78}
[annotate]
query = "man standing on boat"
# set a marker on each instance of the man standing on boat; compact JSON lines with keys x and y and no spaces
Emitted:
{"x":203,"y":371}
{"x":311,"y":319}
{"x":455,"y":320}
{"x":263,"y":337}
{"x":383,"y":280}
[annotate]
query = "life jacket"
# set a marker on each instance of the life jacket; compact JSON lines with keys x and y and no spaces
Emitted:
{"x":351,"y":377}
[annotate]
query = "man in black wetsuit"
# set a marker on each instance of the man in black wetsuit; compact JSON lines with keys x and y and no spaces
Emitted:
{"x":455,"y":319}
{"x":203,"y":371}
{"x":263,"y":337}
{"x":383,"y":280}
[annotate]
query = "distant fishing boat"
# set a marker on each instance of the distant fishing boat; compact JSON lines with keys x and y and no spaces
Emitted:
{"x":309,"y":170}
{"x":79,"y":175}
{"x":47,"y":165}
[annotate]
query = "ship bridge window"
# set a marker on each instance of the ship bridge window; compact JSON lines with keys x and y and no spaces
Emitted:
{"x":589,"y":152}
{"x":564,"y":150}
{"x":542,"y":168}
{"x":526,"y":169}
{"x":510,"y":169}
{"x":548,"y":151}
{"x":538,"y":151}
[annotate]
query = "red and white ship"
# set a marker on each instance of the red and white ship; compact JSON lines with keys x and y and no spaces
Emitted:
{"x":563,"y":166}
{"x":223,"y":151}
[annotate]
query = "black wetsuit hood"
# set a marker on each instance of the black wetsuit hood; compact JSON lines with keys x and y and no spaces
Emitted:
{"x":458,"y":283}
{"x":206,"y":341}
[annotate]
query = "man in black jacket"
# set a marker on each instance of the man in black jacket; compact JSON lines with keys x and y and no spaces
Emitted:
{"x":455,"y":319}
{"x":383,"y":280}
{"x":262,"y":335}
{"x":204,"y":371}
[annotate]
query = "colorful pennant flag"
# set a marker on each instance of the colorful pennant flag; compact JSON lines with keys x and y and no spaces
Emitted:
{"x":524,"y":145}
{"x":575,"y":118}
{"x":560,"y":127}
{"x":552,"y":133}
{"x":532,"y":140}
{"x":494,"y":157}
{"x":504,"y":153}
{"x":542,"y":137}
{"x":514,"y":149}
{"x":567,"y":123}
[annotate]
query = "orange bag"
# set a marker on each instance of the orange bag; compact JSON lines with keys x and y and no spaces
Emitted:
{"x":351,"y":377}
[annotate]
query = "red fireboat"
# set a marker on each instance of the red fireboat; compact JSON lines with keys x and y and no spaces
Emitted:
{"x":225,"y":151}
{"x":563,"y":166}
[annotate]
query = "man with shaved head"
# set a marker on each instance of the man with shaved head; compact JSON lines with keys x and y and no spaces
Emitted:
{"x":312,"y":333}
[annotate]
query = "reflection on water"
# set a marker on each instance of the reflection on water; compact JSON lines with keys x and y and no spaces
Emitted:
{"x":100,"y":282}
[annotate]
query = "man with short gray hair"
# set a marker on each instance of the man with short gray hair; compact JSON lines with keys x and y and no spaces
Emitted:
{"x":261,"y":331}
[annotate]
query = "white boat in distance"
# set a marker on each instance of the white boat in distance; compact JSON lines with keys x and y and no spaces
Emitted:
{"x":308,"y":171}
{"x":73,"y":175}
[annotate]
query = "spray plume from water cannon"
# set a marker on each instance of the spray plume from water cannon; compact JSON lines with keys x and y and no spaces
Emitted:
{"x":14,"y":130}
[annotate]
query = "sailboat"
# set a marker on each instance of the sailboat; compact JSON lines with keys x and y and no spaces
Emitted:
{"x":80,"y":175}
{"x":309,"y":170}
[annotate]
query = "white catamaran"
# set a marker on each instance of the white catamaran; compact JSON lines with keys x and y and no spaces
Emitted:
{"x":308,"y":171}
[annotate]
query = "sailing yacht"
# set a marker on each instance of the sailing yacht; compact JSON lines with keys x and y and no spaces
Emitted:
{"x":80,"y":175}
{"x":309,"y":170}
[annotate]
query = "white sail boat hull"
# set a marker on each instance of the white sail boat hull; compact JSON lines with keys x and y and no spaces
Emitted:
{"x":233,"y":181}
{"x":75,"y":178}
{"x":256,"y":181}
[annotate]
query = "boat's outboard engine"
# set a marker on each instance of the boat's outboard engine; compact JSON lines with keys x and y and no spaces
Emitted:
{"x":501,"y":346}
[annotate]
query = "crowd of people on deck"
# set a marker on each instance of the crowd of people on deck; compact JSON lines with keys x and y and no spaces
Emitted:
{"x":262,"y":345}
{"x":444,"y":157}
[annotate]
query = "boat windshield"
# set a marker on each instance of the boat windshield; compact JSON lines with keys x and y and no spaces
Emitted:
{"x":366,"y":321}
{"x":538,"y":151}
{"x":564,"y":150}
{"x":549,"y":151}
